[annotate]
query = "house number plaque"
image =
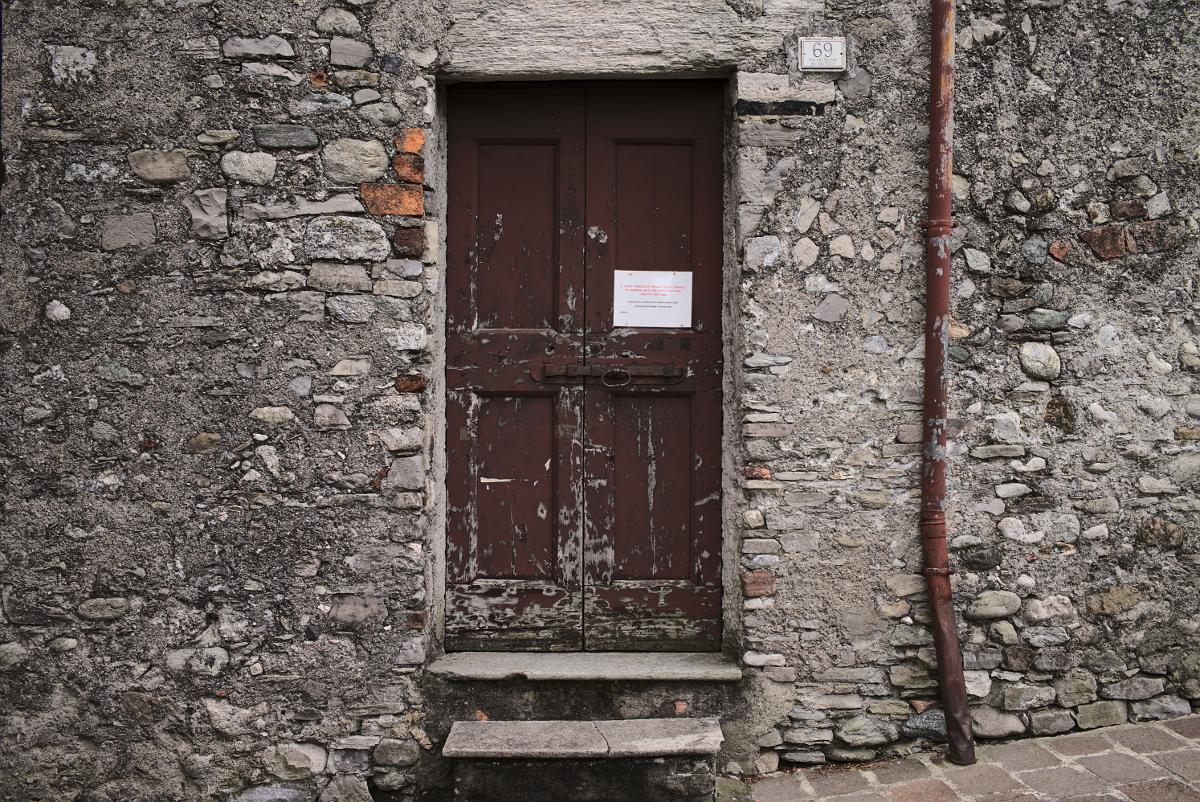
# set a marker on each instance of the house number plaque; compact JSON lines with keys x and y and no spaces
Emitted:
{"x":823,"y":53}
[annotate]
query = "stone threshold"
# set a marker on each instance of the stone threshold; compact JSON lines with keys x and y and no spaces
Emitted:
{"x":538,"y":740}
{"x":587,"y":666}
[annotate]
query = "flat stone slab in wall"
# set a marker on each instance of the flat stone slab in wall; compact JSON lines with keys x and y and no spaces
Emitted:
{"x":575,"y":37}
{"x":590,"y":666}
{"x":654,"y":737}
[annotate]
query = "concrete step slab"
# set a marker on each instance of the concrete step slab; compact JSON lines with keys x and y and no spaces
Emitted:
{"x":654,"y":737}
{"x":589,"y":666}
{"x":583,"y":739}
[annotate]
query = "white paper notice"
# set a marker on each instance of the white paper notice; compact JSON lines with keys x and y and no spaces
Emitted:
{"x":657,"y":299}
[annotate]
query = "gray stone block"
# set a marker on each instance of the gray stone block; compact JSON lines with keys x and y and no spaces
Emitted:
{"x":278,"y":137}
{"x":250,"y":168}
{"x":1139,"y":687}
{"x":407,"y":473}
{"x":353,"y":610}
{"x":347,"y":239}
{"x":587,"y":666}
{"x":241,"y":47}
{"x":333,"y":277}
{"x":207,"y":208}
{"x":987,"y":722}
{"x":349,"y":52}
{"x":1100,"y":714}
{"x":867,"y":731}
{"x":1051,"y":722}
{"x":160,"y":166}
{"x":132,"y":229}
{"x":993,"y":604}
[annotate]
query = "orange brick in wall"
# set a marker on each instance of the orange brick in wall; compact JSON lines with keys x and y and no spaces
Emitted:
{"x":400,"y":199}
{"x":409,"y":242}
{"x":409,"y":167}
{"x":758,"y":583}
{"x":410,"y":140}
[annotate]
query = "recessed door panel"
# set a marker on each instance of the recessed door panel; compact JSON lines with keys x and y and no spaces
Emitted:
{"x":654,"y":206}
{"x":516,"y":238}
{"x":653,"y":483}
{"x":515,"y":487}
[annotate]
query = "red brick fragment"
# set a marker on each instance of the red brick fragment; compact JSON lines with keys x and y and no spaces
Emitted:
{"x":379,"y":477}
{"x":1107,"y":242}
{"x":1126,"y":209}
{"x":410,"y":384}
{"x":409,"y":167}
{"x":410,"y":140}
{"x":1076,"y":253}
{"x":1059,"y":250}
{"x":318,"y":79}
{"x":1153,"y":236}
{"x":409,"y":242}
{"x":1131,"y":244}
{"x":758,"y":583}
{"x":921,"y":705}
{"x":757,"y":473}
{"x":401,"y":199}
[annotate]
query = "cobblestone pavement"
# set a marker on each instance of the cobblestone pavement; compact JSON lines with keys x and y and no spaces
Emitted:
{"x":1153,"y":762}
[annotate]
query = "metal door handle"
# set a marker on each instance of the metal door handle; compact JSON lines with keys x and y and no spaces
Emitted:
{"x":616,"y":377}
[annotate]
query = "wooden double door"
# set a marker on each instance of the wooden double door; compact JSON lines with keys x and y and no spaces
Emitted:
{"x":584,"y":476}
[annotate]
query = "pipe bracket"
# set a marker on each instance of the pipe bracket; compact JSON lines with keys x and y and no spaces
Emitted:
{"x":939,"y":222}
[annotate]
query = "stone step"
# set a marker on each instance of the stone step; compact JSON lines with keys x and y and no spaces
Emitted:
{"x":587,"y":666}
{"x":539,"y":740}
{"x":500,"y":686}
{"x":631,"y":760}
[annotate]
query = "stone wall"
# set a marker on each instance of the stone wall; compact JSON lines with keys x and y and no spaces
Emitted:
{"x":221,"y":348}
{"x":1073,"y":469}
{"x":220,"y":254}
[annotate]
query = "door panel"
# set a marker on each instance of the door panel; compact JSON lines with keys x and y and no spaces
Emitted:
{"x":514,"y":274}
{"x":514,"y":615}
{"x":654,"y":181}
{"x":584,"y":475}
{"x":513,"y":545}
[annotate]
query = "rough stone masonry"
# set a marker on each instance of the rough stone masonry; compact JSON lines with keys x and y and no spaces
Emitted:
{"x":222,"y":439}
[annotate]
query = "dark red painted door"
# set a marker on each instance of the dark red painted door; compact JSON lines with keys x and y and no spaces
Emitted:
{"x":584,"y":458}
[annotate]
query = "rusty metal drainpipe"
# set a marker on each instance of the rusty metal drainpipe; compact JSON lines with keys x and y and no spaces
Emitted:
{"x":937,"y":328}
